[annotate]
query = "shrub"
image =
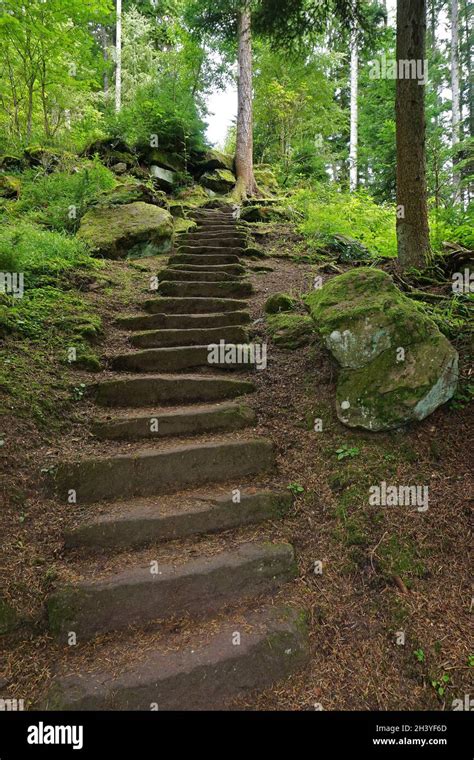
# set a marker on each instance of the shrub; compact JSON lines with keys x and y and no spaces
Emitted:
{"x":328,"y":212}
{"x":43,"y":257}
{"x":59,"y":200}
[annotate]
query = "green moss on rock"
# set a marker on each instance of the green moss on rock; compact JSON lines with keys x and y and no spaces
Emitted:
{"x":131,"y":229}
{"x":397,"y":366}
{"x":279,"y":302}
{"x":387,"y":393}
{"x":9,"y":186}
{"x":362,"y":313}
{"x":219,"y":181}
{"x":214,"y":159}
{"x":290,"y":330}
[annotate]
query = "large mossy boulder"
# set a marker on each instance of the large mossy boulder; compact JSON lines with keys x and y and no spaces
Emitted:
{"x":159,"y":157}
{"x":219,"y":181}
{"x":163,"y":178}
{"x":214,"y":159}
{"x":133,"y":229}
{"x":111,"y":151}
{"x":131,"y":192}
{"x":396,"y":365}
{"x":37,"y":156}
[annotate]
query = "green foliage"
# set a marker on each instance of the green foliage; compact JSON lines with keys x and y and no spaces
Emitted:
{"x":295,"y":488}
{"x":43,"y":257}
{"x":345,"y":451}
{"x":48,"y":312}
{"x":50,"y":65}
{"x":59,"y":200}
{"x":328,"y":212}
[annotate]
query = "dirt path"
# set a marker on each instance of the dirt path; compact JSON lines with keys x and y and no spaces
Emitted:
{"x":178,"y":594}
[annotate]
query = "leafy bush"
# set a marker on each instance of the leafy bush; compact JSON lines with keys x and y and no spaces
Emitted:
{"x":43,"y":257}
{"x":59,"y":200}
{"x":328,"y":212}
{"x":453,"y":225}
{"x":164,"y":110}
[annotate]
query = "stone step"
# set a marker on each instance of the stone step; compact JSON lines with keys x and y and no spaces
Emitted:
{"x":181,"y":358}
{"x":222,"y":418}
{"x":198,"y":305}
{"x":140,"y":522}
{"x":219,"y":239}
{"x":202,"y":259}
{"x":188,"y":337}
{"x":208,"y":225}
{"x":204,"y":673}
{"x":211,"y":214}
{"x":184,"y":321}
{"x":210,"y":250}
{"x":138,"y":596}
{"x":149,"y":472}
{"x":236,"y":269}
{"x":191,"y":289}
{"x":197,"y":274}
{"x":167,"y":390}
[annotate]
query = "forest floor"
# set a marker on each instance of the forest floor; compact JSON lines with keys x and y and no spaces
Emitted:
{"x":389,"y":607}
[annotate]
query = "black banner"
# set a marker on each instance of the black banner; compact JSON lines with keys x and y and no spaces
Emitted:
{"x":117,"y":734}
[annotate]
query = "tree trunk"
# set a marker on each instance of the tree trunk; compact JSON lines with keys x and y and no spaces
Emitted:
{"x":354,"y":113}
{"x":412,"y":212}
{"x":455,"y":108}
{"x":105,"y":43}
{"x":118,"y":58}
{"x":244,"y":144}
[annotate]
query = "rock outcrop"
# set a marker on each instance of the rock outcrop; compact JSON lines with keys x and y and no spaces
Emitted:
{"x":396,"y":365}
{"x":131,"y":229}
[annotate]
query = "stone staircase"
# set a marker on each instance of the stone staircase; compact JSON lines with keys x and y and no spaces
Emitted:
{"x":182,"y":486}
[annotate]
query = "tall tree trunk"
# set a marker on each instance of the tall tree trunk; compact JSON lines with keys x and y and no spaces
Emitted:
{"x":244,"y":144}
{"x":455,"y":108}
{"x":354,"y":113}
{"x":412,"y":212}
{"x":118,"y":58}
{"x":104,"y":39}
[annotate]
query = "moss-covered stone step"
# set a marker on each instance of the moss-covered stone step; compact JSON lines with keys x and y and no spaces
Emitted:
{"x":213,"y":238}
{"x":220,"y":418}
{"x":236,"y":269}
{"x":197,"y":274}
{"x":149,"y":472}
{"x":203,"y":259}
{"x":201,"y":214}
{"x":188,"y":337}
{"x":210,"y":250}
{"x":235,"y":289}
{"x":181,"y":358}
{"x":184,"y":321}
{"x":197,"y":305}
{"x":139,"y":522}
{"x":202,"y":673}
{"x":139,"y":595}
